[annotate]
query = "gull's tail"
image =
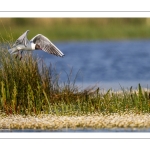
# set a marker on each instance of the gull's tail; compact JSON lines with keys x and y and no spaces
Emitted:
{"x":13,"y":50}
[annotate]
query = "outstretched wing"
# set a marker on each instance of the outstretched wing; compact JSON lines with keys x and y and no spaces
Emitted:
{"x":46,"y":45}
{"x":22,"y":39}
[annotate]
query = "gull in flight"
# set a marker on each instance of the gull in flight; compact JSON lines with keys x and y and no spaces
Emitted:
{"x":39,"y":42}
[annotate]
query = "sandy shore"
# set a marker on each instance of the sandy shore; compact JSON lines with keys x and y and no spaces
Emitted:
{"x":86,"y":121}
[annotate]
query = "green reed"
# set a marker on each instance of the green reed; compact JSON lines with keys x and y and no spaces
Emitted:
{"x":25,"y":85}
{"x":31,"y":87}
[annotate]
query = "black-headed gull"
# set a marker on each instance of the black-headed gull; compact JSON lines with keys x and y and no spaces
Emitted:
{"x":39,"y":42}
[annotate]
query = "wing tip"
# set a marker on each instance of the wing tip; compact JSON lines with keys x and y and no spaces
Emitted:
{"x":62,"y":55}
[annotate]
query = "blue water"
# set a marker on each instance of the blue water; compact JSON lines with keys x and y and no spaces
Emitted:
{"x":109,"y":64}
{"x":79,"y":130}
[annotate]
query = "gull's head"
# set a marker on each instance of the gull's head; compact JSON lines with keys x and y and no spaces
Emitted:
{"x":37,"y":47}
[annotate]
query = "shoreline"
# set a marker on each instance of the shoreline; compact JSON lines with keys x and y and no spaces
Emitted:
{"x":91,"y":121}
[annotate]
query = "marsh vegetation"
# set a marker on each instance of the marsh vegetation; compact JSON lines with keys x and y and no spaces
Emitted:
{"x":64,"y":29}
{"x":31,"y":87}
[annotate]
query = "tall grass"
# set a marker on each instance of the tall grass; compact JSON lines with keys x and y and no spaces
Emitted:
{"x":25,"y":85}
{"x":31,"y":87}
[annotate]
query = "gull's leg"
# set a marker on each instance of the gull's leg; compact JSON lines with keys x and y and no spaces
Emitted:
{"x":17,"y":54}
{"x":21,"y":55}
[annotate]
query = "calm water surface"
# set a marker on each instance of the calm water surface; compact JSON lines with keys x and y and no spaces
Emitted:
{"x":81,"y":130}
{"x":106,"y":63}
